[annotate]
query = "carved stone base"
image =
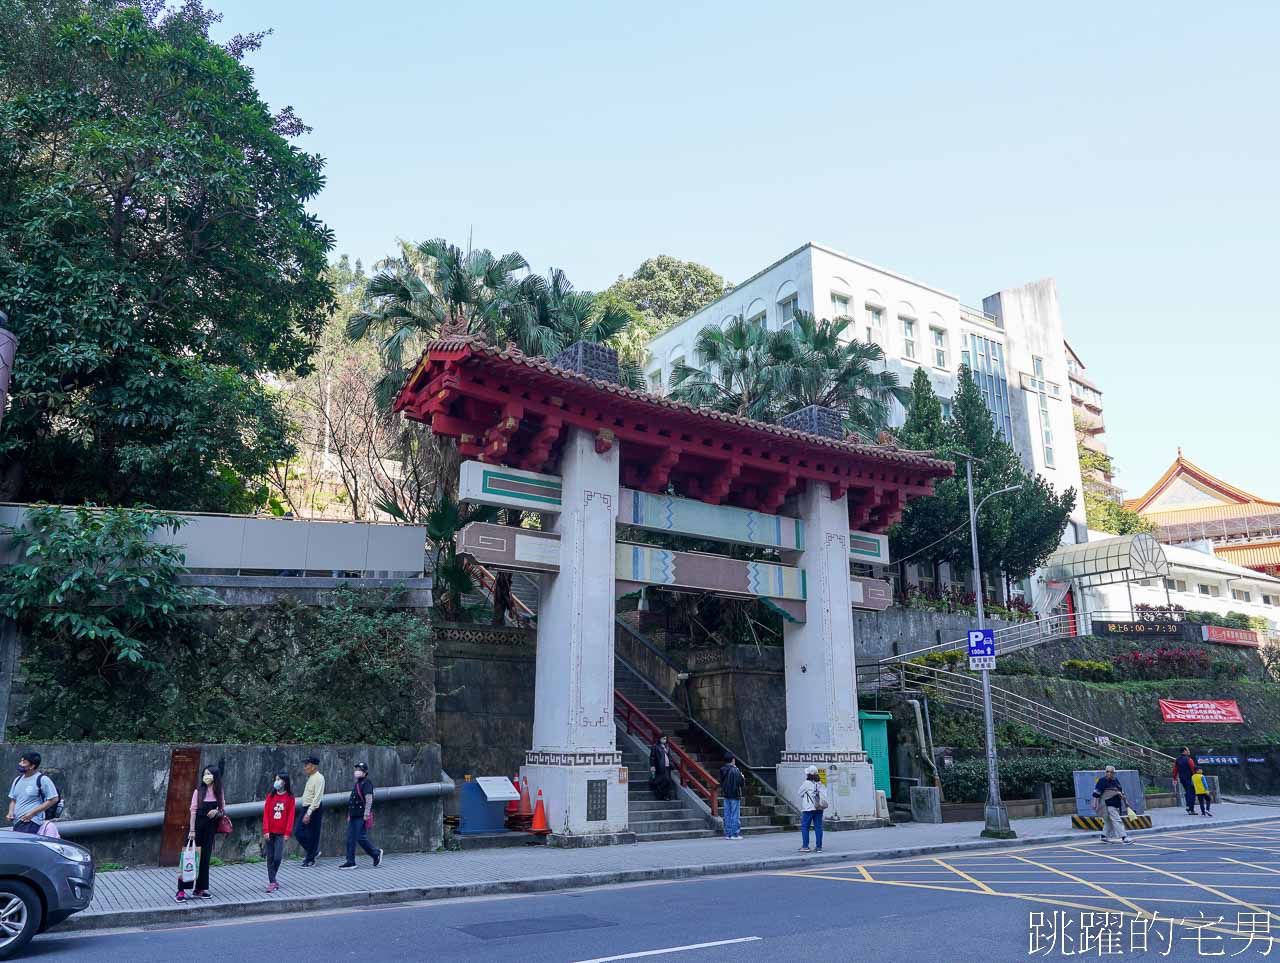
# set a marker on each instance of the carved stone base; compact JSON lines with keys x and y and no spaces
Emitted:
{"x":584,"y":794}
{"x":595,"y":839}
{"x":850,"y":786}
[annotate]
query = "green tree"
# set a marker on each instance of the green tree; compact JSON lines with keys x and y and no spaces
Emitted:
{"x":740,"y":373}
{"x":97,"y":586}
{"x":156,"y":257}
{"x":924,"y":429}
{"x":662,"y":291}
{"x":573,"y":316}
{"x":1103,"y":512}
{"x":819,"y":365}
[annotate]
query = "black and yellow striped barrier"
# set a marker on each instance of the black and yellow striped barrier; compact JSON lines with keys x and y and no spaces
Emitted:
{"x":1096,"y":823}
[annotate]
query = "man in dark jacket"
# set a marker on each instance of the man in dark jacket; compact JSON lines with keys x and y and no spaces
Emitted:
{"x":360,"y":818}
{"x":1108,"y":798}
{"x":661,"y":762}
{"x":731,"y":786}
{"x":1184,"y":768}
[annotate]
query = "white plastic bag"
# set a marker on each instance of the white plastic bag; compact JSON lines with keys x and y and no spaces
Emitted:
{"x":187,"y":863}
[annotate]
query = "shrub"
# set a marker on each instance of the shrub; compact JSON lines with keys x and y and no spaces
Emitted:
{"x":1164,"y":664}
{"x":1088,"y":670}
{"x":1224,"y":670}
{"x":948,"y":660}
{"x":1020,"y":777}
{"x":1015,"y":665}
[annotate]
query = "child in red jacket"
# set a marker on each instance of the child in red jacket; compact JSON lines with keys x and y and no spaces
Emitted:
{"x":277,"y":821}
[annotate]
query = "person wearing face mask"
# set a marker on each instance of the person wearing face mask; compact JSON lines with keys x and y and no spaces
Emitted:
{"x":208,"y":806}
{"x":360,"y":818}
{"x":661,"y":760}
{"x":32,"y":796}
{"x":277,"y":819}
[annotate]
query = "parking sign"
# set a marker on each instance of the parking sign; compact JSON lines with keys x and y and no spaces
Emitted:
{"x":982,"y":649}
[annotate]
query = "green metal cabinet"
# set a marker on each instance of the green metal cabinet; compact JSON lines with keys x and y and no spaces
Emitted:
{"x":875,"y":743}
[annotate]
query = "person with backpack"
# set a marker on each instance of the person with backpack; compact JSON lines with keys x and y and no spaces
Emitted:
{"x":277,"y":820}
{"x":1203,"y":797}
{"x":813,"y":802}
{"x":1184,"y":768}
{"x":360,"y":818}
{"x":32,"y":796}
{"x":208,"y":819}
{"x":731,"y":786}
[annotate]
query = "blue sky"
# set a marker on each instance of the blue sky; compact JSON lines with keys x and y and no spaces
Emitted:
{"x":1128,"y":150}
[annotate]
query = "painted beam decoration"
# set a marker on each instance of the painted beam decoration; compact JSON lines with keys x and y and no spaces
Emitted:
{"x":870,"y":593}
{"x":869,"y":547}
{"x":508,"y":487}
{"x":711,"y":573}
{"x":507,"y":547}
{"x":741,"y":526}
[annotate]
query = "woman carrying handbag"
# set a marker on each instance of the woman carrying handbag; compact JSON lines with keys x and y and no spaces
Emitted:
{"x":208,"y":819}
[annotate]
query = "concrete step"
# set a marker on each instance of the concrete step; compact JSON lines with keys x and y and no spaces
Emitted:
{"x":645,"y":837}
{"x":656,"y":809}
{"x":667,"y":825}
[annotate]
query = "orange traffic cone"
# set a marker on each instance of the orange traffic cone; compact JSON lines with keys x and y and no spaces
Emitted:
{"x":539,"y":827}
{"x":525,"y":809}
{"x":514,"y":804}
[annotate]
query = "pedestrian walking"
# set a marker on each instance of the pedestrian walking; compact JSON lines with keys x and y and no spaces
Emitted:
{"x":208,"y":818}
{"x":1110,"y":803}
{"x":1184,"y":768}
{"x":277,"y":820}
{"x":661,"y":762}
{"x":360,"y":818}
{"x":32,"y":797}
{"x":813,"y":802}
{"x":311,"y":821}
{"x":732,"y":783}
{"x":1201,"y":786}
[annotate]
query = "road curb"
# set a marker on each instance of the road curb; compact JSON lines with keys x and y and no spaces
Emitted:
{"x":210,"y":912}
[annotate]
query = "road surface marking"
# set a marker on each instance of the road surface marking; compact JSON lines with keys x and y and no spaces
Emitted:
{"x":865,"y":874}
{"x":965,"y":876}
{"x":1084,"y":882}
{"x":1265,"y":869}
{"x":1204,"y":886}
{"x":672,"y":949}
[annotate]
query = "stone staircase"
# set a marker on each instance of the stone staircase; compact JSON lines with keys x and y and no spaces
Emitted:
{"x":762,"y":810}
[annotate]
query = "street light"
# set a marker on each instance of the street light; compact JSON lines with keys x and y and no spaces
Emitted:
{"x":995,"y":813}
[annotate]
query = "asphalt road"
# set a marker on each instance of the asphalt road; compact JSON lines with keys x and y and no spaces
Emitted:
{"x":1183,"y":896}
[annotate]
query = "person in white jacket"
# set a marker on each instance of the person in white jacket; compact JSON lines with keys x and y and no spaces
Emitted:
{"x":813,"y":800}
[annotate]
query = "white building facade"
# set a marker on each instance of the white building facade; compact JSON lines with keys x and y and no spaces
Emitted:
{"x":1014,"y":345}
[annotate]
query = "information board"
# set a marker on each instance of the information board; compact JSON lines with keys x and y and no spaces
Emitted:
{"x":982,"y":650}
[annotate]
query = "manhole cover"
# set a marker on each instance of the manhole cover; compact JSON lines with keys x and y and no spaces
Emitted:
{"x":532,"y":926}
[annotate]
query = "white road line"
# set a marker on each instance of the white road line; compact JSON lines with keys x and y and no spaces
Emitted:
{"x":672,"y":949}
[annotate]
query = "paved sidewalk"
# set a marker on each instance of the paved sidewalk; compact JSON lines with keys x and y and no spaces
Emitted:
{"x":143,"y":897}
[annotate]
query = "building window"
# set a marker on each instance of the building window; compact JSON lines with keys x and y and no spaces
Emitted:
{"x":1175,"y":584}
{"x":787,"y":311}
{"x":1270,"y":600}
{"x":946,"y":409}
{"x":939,"y":338}
{"x":875,"y":325}
{"x":1240,"y":595}
{"x":757,"y":319}
{"x":655,"y":381}
{"x":908,"y":337}
{"x":985,"y":360}
{"x":1042,"y":395}
{"x":839,"y":305}
{"x":1210,"y":590}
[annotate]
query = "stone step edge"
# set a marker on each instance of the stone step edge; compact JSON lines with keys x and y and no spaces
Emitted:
{"x":151,"y":916}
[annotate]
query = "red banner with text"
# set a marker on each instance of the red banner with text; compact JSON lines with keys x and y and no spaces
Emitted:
{"x":1202,"y":710}
{"x":1219,"y":633}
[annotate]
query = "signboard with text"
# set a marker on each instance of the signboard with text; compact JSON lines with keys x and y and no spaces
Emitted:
{"x":1202,"y":710}
{"x":1218,"y":633}
{"x":1138,"y":627}
{"x":982,"y":650}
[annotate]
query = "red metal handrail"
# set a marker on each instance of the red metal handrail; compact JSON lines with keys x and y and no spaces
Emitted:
{"x":488,"y":581}
{"x":691,"y":772}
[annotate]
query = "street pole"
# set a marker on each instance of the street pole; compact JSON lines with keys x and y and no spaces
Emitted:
{"x":995,"y":813}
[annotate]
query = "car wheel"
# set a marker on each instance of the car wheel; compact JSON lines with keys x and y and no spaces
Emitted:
{"x":20,"y":915}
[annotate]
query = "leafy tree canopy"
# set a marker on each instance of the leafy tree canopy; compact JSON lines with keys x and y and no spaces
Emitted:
{"x":661,"y":291}
{"x":157,"y":261}
{"x":1103,"y":512}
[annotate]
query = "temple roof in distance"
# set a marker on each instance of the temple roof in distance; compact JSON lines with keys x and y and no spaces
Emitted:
{"x":1186,"y":493}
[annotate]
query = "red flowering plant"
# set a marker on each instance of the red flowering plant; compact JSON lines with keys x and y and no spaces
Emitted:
{"x":1164,"y":664}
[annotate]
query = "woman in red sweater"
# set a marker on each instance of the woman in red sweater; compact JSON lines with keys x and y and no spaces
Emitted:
{"x":277,"y":821}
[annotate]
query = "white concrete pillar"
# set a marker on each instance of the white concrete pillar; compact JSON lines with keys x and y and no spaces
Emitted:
{"x":574,"y":747}
{"x":821,"y":675}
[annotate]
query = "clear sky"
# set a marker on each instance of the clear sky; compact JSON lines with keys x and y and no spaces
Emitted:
{"x":1128,"y":150}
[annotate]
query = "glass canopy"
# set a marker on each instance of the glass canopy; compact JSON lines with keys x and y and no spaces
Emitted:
{"x":1127,"y":558}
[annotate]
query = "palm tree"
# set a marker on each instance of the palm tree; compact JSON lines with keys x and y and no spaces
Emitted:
{"x":739,"y":373}
{"x":818,"y":364}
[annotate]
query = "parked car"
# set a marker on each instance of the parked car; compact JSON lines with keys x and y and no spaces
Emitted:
{"x":42,"y":882}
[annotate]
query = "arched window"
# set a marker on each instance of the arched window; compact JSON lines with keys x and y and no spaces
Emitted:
{"x":757,"y":313}
{"x":788,"y":303}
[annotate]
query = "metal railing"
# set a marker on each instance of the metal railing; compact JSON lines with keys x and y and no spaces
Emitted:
{"x":133,"y":821}
{"x":487,"y":580}
{"x":1023,"y":635}
{"x":965,"y":691}
{"x":691,"y":772}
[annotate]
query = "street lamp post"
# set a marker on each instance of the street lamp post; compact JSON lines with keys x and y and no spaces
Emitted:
{"x":994,"y":813}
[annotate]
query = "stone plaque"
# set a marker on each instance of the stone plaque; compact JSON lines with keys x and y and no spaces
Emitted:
{"x":184,"y":768}
{"x":597,"y":800}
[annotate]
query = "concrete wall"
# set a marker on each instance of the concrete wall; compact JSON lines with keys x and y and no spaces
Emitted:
{"x":484,"y":704}
{"x":894,"y":631}
{"x":103,"y":779}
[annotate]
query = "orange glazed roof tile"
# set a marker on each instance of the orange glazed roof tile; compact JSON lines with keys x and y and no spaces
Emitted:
{"x":1183,"y":466}
{"x":1257,"y":556}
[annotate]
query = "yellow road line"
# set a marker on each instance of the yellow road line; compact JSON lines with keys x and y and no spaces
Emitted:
{"x":1084,"y":882}
{"x":1265,"y":869}
{"x":965,"y":876}
{"x":1048,"y":900}
{"x":865,"y":874}
{"x":1203,"y":886}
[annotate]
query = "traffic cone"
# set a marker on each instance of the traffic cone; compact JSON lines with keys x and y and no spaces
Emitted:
{"x":518,"y":819}
{"x":539,"y":827}
{"x":524,"y":810}
{"x":514,"y":804}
